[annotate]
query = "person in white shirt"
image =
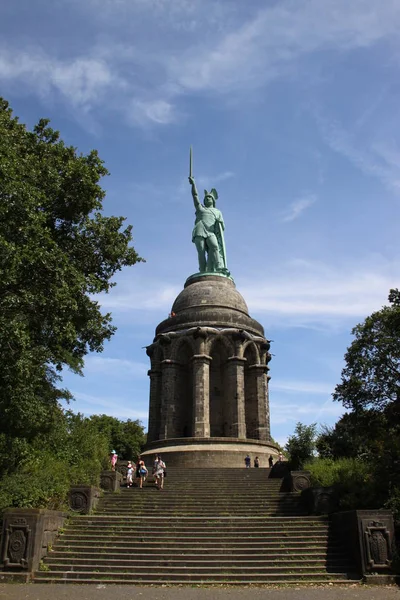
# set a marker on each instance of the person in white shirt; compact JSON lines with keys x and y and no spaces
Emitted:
{"x":159,"y":471}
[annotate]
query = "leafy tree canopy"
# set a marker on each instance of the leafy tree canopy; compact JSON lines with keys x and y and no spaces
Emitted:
{"x":371,"y":377}
{"x":56,"y":250}
{"x":301,"y":445}
{"x":125,"y":437}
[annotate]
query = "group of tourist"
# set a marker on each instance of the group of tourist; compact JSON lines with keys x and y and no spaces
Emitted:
{"x":247,"y":461}
{"x":139,"y":471}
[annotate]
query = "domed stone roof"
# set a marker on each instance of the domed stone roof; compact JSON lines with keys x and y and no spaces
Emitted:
{"x":213,"y":301}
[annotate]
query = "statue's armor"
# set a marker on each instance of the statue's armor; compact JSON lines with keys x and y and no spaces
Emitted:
{"x":206,"y":218}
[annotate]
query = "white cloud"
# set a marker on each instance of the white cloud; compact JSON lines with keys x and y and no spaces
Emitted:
{"x":144,"y":70}
{"x":303,"y":292}
{"x":112,"y":406}
{"x":261,"y":49}
{"x":377,"y":159}
{"x":298,"y":207}
{"x":211,"y":180}
{"x":310,"y":412}
{"x":81,"y":81}
{"x":129,"y":296}
{"x":160,"y":112}
{"x":301,"y":387}
{"x":115,"y":367}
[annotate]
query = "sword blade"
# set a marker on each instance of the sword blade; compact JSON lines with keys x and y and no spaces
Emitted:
{"x":190,"y":162}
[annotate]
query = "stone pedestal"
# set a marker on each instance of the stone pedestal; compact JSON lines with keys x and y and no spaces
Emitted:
{"x":110,"y":481}
{"x":27,"y":535}
{"x":369,"y":537}
{"x":83,"y":499}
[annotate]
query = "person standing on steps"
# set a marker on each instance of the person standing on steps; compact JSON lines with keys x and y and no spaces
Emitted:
{"x":141,"y":471}
{"x":113,"y":459}
{"x":247,"y":461}
{"x":271,"y":461}
{"x":129,"y":474}
{"x":256,"y":462}
{"x":158,"y":472}
{"x":280,"y":457}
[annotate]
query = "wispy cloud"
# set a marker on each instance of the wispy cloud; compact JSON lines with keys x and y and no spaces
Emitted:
{"x":301,"y":387}
{"x":377,"y":159}
{"x":81,"y":81}
{"x":219,"y":50}
{"x":113,"y":406}
{"x":297,"y":207}
{"x":303,"y":292}
{"x":309,"y":412}
{"x":115,"y":367}
{"x":209,"y":180}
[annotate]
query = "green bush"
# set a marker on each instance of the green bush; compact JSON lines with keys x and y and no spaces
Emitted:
{"x":42,"y":483}
{"x":393,"y":503}
{"x":352,"y":478}
{"x":73,"y":452}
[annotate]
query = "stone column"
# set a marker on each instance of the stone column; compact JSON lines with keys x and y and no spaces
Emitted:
{"x":236,"y":396}
{"x":201,"y":395}
{"x":154,"y":404}
{"x":167,"y":424}
{"x":261,"y":385}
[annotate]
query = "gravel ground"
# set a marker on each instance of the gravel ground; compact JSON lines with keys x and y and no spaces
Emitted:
{"x":10,"y":591}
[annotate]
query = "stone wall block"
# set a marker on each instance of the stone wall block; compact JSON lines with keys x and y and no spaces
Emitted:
{"x":83,"y":499}
{"x":369,"y":535}
{"x":27,"y":534}
{"x":320,"y":500}
{"x":300,"y":480}
{"x":110,"y":481}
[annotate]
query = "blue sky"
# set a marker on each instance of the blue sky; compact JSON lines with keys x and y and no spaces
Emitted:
{"x":292,"y":108}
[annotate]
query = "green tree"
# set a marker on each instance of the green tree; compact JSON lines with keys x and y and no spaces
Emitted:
{"x":301,"y":445}
{"x":371,"y":377}
{"x":356,"y":435}
{"x":125,"y":437}
{"x":370,"y":388}
{"x":57,"y":249}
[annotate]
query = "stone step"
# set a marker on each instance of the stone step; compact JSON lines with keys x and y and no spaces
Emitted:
{"x":219,"y":541}
{"x":179,"y":526}
{"x":183,"y":535}
{"x":132,"y":545}
{"x":176,"y":512}
{"x":207,"y":576}
{"x":162,"y":566}
{"x":305,"y":521}
{"x":205,"y":493}
{"x":246,"y":554}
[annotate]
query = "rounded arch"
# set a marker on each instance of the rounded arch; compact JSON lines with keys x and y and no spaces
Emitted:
{"x":251,"y":408}
{"x":183,"y":390}
{"x":157,"y":356}
{"x":251,"y":353}
{"x":182,"y":348}
{"x":220,"y":352}
{"x":224,"y":340}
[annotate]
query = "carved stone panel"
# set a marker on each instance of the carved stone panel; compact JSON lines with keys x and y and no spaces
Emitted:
{"x":301,"y":480}
{"x":79,"y":502}
{"x":378,"y":544}
{"x":110,"y":480}
{"x":16,"y":544}
{"x":106,"y":482}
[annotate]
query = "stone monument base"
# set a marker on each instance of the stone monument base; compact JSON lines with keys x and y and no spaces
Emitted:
{"x":209,"y":452}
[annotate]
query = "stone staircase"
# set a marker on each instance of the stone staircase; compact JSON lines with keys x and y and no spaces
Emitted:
{"x":211,"y":526}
